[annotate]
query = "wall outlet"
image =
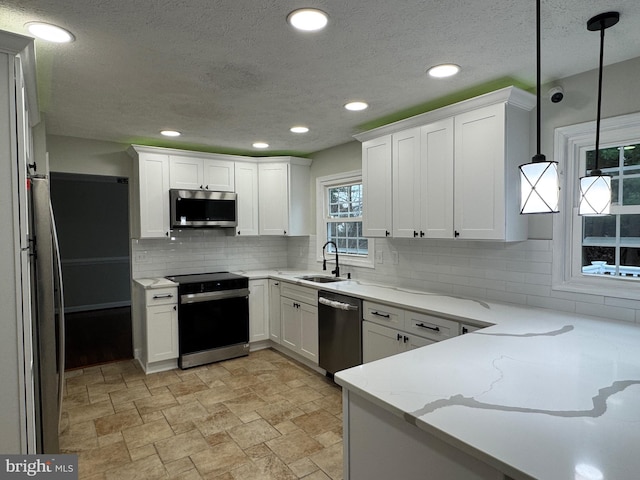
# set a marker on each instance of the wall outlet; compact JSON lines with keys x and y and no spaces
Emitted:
{"x":141,"y":257}
{"x":395,"y":258}
{"x":379,"y":258}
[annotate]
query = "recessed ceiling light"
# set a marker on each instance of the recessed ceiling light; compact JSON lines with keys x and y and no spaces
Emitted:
{"x":170,"y":133}
{"x":299,"y":129}
{"x":50,"y":33}
{"x":356,"y":106}
{"x":260,"y":145}
{"x":308,"y":19}
{"x":444,"y":70}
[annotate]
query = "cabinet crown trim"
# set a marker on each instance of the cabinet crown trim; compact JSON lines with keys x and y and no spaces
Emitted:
{"x":511,"y":95}
{"x":134,"y":150}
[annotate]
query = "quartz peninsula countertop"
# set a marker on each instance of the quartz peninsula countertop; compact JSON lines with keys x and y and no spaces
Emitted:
{"x":538,"y":394}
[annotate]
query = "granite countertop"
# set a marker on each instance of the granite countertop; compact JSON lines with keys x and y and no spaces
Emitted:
{"x":539,"y":394}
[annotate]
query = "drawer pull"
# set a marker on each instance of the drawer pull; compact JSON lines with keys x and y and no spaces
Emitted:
{"x":378,"y":314}
{"x":422,"y":325}
{"x":168,"y":295}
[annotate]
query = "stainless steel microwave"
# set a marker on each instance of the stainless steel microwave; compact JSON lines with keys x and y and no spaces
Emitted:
{"x":202,"y":209}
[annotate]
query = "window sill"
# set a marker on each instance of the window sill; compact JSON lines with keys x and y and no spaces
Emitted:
{"x":352,"y":262}
{"x":604,"y":287}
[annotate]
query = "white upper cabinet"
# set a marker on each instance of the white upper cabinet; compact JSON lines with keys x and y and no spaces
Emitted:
{"x":376,"y":187}
{"x":452,"y":174}
{"x":272,"y":192}
{"x":150,"y":194}
{"x":490,"y":143}
{"x":283,"y":196}
{"x":247,"y":203}
{"x":436,"y":179}
{"x":406,"y":183}
{"x":194,"y":173}
{"x":219,"y":175}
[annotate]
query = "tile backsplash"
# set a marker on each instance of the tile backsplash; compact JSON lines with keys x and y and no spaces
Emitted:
{"x":200,"y":251}
{"x":518,"y":273}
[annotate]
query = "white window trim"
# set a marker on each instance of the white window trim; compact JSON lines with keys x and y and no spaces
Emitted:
{"x":569,"y":143}
{"x":322,"y":183}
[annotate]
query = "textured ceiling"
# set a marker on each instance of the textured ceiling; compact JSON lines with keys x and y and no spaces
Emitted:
{"x":228,"y":73}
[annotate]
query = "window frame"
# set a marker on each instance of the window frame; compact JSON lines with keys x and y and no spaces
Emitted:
{"x":322,"y":186}
{"x":570,"y":145}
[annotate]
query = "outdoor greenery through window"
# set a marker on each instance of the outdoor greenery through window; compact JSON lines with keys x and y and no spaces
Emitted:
{"x":343,"y":219}
{"x":611,"y":244}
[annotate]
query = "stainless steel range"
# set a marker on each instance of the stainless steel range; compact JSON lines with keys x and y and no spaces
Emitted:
{"x":213,"y":317}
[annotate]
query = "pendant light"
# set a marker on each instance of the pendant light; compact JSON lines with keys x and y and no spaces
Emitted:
{"x":595,"y":188}
{"x":539,"y":182}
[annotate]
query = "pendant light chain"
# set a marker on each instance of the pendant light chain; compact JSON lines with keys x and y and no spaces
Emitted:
{"x":538,"y":80}
{"x":597,"y":169}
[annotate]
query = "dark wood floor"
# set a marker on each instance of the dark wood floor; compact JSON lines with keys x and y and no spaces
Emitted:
{"x":97,"y":337}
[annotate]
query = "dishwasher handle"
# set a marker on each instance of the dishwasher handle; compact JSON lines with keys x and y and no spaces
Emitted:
{"x":336,"y":304}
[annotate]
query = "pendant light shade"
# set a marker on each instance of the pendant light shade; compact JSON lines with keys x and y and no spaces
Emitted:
{"x":539,"y":181}
{"x":595,"y":188}
{"x":595,"y":195}
{"x":540,"y":187}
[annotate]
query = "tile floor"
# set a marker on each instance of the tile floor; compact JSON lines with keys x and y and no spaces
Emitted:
{"x":259,"y":417}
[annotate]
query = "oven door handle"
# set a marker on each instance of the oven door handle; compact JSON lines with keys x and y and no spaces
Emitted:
{"x":212,"y":296}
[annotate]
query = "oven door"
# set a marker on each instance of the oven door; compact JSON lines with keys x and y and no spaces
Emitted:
{"x":208,"y":321}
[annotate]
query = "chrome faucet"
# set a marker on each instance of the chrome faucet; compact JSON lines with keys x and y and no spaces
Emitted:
{"x":324,"y":260}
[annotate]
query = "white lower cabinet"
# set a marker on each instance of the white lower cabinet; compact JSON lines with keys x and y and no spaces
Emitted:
{"x":387,"y":330}
{"x":381,"y":342}
{"x":299,"y":314}
{"x":162,"y":332}
{"x":155,"y":326}
{"x":258,"y":310}
{"x":275,"y":317}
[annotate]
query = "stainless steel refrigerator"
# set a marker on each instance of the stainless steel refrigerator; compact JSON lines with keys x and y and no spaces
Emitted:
{"x":47,"y":312}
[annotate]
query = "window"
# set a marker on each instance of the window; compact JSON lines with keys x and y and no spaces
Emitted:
{"x":339,"y":201}
{"x":611,"y":244}
{"x":599,"y":255}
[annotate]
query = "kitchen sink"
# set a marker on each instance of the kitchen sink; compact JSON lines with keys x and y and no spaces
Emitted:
{"x":320,"y":278}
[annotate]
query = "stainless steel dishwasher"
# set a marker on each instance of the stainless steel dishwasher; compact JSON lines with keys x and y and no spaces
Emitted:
{"x":339,"y":331}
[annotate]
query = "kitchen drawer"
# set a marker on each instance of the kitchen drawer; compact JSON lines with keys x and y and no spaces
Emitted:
{"x":299,"y":293}
{"x":161,"y":296}
{"x":428,"y":326}
{"x":383,"y":314}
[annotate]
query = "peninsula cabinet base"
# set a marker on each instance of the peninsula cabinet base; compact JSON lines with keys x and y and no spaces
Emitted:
{"x":379,"y":446}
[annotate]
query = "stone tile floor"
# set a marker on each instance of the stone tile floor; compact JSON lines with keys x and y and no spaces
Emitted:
{"x":259,"y":417}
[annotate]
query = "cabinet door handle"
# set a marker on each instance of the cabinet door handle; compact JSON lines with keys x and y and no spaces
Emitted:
{"x":422,"y":325}
{"x":175,"y":308}
{"x":465,"y":330}
{"x":285,"y":232}
{"x":206,"y":187}
{"x":456,"y":234}
{"x":415,"y":234}
{"x":238,"y":232}
{"x":406,"y":339}
{"x":421,"y":234}
{"x":201,"y":187}
{"x":276,"y":284}
{"x":399,"y":337}
{"x":168,"y":295}
{"x":378,"y":314}
{"x":386,"y":233}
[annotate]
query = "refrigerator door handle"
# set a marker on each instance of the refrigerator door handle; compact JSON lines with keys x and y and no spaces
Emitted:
{"x":61,"y":330}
